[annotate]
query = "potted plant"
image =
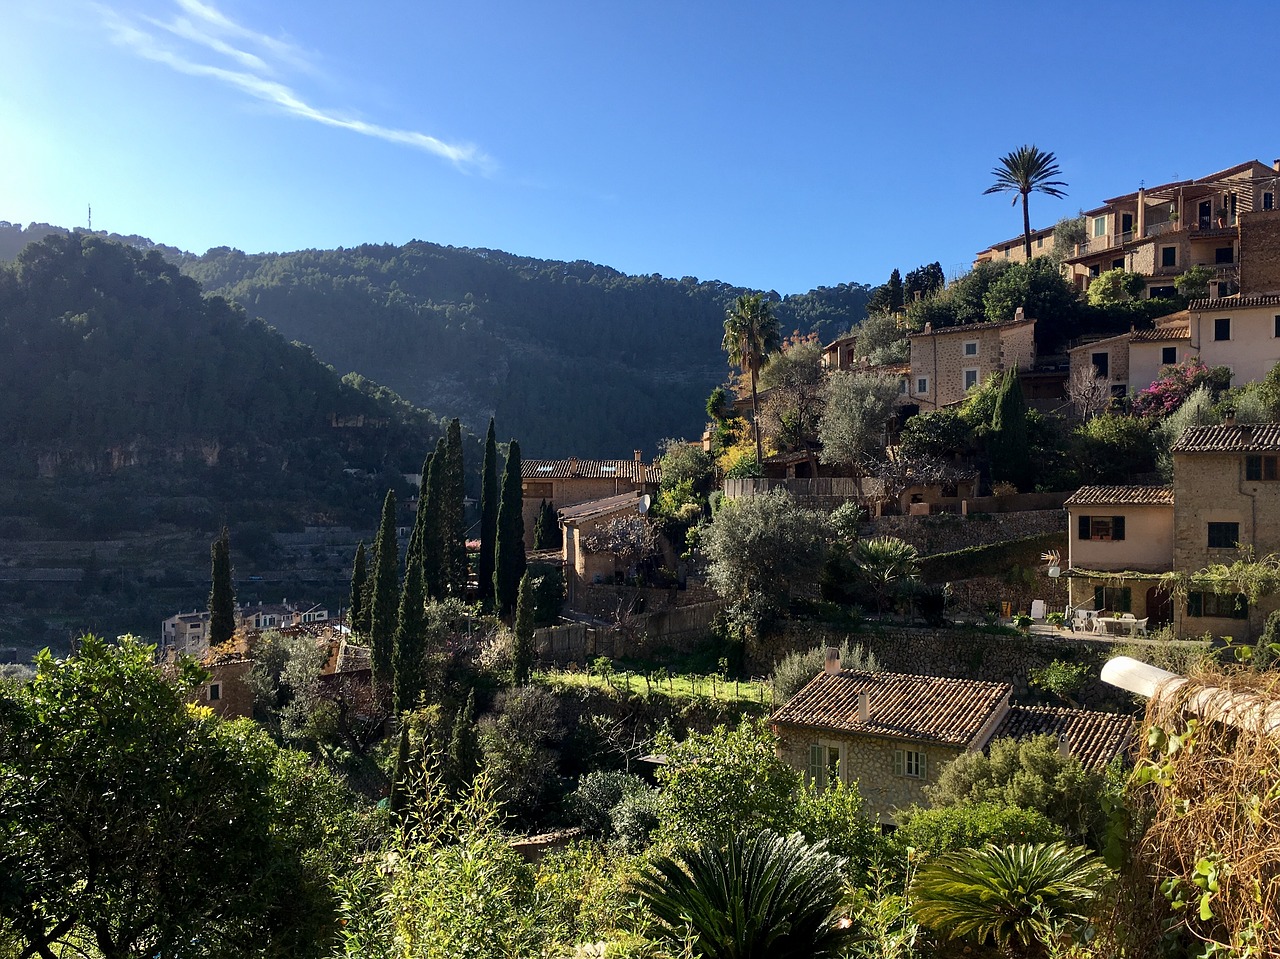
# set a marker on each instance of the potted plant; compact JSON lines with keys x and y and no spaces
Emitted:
{"x":1056,"y":620}
{"x":1022,"y":621}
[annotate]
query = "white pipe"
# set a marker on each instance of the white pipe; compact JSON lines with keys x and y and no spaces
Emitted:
{"x":1240,"y":709}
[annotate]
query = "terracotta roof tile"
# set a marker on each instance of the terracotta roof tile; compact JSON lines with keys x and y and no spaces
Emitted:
{"x":631,"y":470}
{"x":972,"y":328}
{"x":1170,"y":332}
{"x":1221,"y":303}
{"x":1121,"y":496}
{"x":1243,"y":438}
{"x":1093,"y":738}
{"x":628,"y":501}
{"x":924,"y":708}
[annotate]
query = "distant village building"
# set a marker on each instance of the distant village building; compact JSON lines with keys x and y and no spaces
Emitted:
{"x":188,"y":633}
{"x":570,"y":482}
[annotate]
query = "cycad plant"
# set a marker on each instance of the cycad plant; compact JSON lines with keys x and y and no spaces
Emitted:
{"x":758,"y":896}
{"x":1021,"y":896}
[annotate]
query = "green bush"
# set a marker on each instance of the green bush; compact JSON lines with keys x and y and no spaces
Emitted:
{"x":932,"y":832}
{"x":837,"y":816}
{"x":598,"y":793}
{"x":636,"y":817}
{"x":797,"y":668}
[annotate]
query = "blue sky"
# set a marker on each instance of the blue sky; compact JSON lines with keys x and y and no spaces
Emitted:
{"x":773,"y":145}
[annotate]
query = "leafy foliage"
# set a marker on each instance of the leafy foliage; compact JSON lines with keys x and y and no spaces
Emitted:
{"x":222,"y":597}
{"x":1022,"y":172}
{"x":750,"y":336}
{"x":509,"y":562}
{"x":761,"y":894}
{"x":1175,"y":384}
{"x":797,"y":668}
{"x":1115,"y":286}
{"x":933,"y":832}
{"x":1023,"y":897}
{"x":856,"y":411}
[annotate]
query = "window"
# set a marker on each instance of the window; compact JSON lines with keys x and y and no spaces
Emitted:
{"x":1102,"y":363}
{"x":922,"y":385}
{"x":1168,"y":256}
{"x":1221,"y":605}
{"x":970,"y":379}
{"x":1100,"y":226}
{"x":902,"y":386}
{"x":1103,"y":528}
{"x":1222,"y":328}
{"x":1268,"y":201}
{"x":215,"y":691}
{"x":826,"y":764}
{"x":1117,"y":263}
{"x":1262,"y":468}
{"x":1224,"y":254}
{"x":1118,"y":599}
{"x":910,"y":763}
{"x":1040,"y":239}
{"x":1276,"y":331}
{"x":1095,"y":270}
{"x":971,"y":348}
{"x":1169,"y":355}
{"x":1224,"y":535}
{"x":1161,"y":292}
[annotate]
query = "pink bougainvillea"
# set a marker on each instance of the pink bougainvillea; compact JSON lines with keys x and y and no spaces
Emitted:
{"x":1176,"y":383}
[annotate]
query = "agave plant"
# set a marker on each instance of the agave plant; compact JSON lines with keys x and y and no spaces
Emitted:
{"x":759,"y":896}
{"x":1022,"y":896}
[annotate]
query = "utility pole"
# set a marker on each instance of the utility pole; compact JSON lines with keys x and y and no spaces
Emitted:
{"x":90,"y":217}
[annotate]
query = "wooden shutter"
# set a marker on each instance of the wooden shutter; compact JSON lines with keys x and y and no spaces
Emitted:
{"x":815,"y":763}
{"x":1084,"y":527}
{"x":1126,"y":600}
{"x":1117,"y":528}
{"x":899,"y":763}
{"x":1193,"y":604}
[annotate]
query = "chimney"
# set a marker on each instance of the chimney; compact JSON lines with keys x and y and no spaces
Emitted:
{"x":1064,"y":746}
{"x":639,"y":456}
{"x":573,"y":466}
{"x":1018,"y":315}
{"x":864,"y":707}
{"x":1229,"y":417}
{"x":1275,"y":165}
{"x":833,"y":660}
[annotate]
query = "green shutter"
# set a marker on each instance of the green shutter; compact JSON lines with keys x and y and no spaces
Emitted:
{"x":815,"y":763}
{"x":899,"y":763}
{"x":1117,"y":529}
{"x":1193,"y":604}
{"x":1084,"y":527}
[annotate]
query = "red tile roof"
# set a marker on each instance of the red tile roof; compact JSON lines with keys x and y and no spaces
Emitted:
{"x":1093,"y":738}
{"x":631,"y":470}
{"x":1243,"y":438}
{"x":1121,"y":496}
{"x":1171,"y":332}
{"x":1218,"y":304}
{"x":902,"y":706}
{"x":623,"y":502}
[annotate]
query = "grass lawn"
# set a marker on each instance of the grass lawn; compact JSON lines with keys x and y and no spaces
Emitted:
{"x":661,"y":683}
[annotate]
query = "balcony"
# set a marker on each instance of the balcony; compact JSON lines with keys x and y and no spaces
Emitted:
{"x":1158,"y":229}
{"x":1098,"y":244}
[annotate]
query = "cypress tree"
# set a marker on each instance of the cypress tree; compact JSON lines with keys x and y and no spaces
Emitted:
{"x":358,"y":613}
{"x":222,"y":597}
{"x":551,"y":522}
{"x":384,"y":593}
{"x":1007,"y":443}
{"x":541,"y":535}
{"x":522,"y":654}
{"x":464,"y":746}
{"x":453,"y":518}
{"x":431,"y":548}
{"x":399,"y":798}
{"x":488,"y":517}
{"x":509,"y":561}
{"x":409,"y":659}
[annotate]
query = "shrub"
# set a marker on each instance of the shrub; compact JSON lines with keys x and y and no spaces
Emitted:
{"x":598,"y":793}
{"x":798,"y":668}
{"x":932,"y":832}
{"x":636,"y":817}
{"x":837,"y":817}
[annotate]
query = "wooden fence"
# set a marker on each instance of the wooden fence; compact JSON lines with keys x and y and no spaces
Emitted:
{"x":679,"y":627}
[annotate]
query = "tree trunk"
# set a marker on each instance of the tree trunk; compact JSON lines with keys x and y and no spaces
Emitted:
{"x":755,"y":417}
{"x":1026,"y":227}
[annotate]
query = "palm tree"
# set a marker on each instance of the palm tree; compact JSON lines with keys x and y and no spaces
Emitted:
{"x":885,"y":562}
{"x":761,"y":895}
{"x":1022,"y":896}
{"x":1025,"y":171}
{"x":751,"y":334}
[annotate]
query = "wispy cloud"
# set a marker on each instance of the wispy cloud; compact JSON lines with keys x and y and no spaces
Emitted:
{"x":258,"y":64}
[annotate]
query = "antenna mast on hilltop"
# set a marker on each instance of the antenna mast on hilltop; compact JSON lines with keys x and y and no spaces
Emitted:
{"x":90,"y":217}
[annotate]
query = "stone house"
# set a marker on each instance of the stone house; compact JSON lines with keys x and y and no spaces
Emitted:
{"x":892,"y":733}
{"x":1013,"y":251}
{"x":571,"y":482}
{"x":947,"y":362}
{"x":1226,"y":505}
{"x":841,"y":353}
{"x":584,"y":565}
{"x":1120,"y":541}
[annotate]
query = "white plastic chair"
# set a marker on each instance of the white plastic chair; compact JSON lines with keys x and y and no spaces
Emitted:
{"x":1140,"y":626}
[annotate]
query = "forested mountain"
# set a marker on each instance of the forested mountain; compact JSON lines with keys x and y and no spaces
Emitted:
{"x":572,"y":358}
{"x":114,"y":359}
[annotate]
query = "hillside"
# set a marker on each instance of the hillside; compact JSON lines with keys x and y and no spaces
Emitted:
{"x":572,"y":358}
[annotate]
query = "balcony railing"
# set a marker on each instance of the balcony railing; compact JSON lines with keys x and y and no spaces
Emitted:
{"x":1109,"y":241}
{"x":1157,"y":229}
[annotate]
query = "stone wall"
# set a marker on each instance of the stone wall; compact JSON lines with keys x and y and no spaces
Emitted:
{"x":947,"y":532}
{"x":1260,"y":252}
{"x":961,"y":654}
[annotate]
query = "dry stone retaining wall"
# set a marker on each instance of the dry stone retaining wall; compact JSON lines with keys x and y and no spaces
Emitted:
{"x":948,"y":532}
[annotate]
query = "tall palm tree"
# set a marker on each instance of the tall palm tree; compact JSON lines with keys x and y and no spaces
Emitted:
{"x":761,"y":896}
{"x":1022,"y":896}
{"x":751,"y":334}
{"x":1025,"y":171}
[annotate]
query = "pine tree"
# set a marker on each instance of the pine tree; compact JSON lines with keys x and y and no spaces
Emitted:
{"x":488,"y":517}
{"x":399,"y":798}
{"x":358,"y":613}
{"x":453,"y":517}
{"x":410,"y":656}
{"x":384,"y":593}
{"x":509,"y":560}
{"x":522,"y":654}
{"x":222,"y":597}
{"x":430,"y":547}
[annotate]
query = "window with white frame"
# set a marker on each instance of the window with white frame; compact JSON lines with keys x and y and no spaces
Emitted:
{"x":911,"y":763}
{"x":970,"y":379}
{"x":971,"y":348}
{"x":1100,"y":226}
{"x":826,"y":763}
